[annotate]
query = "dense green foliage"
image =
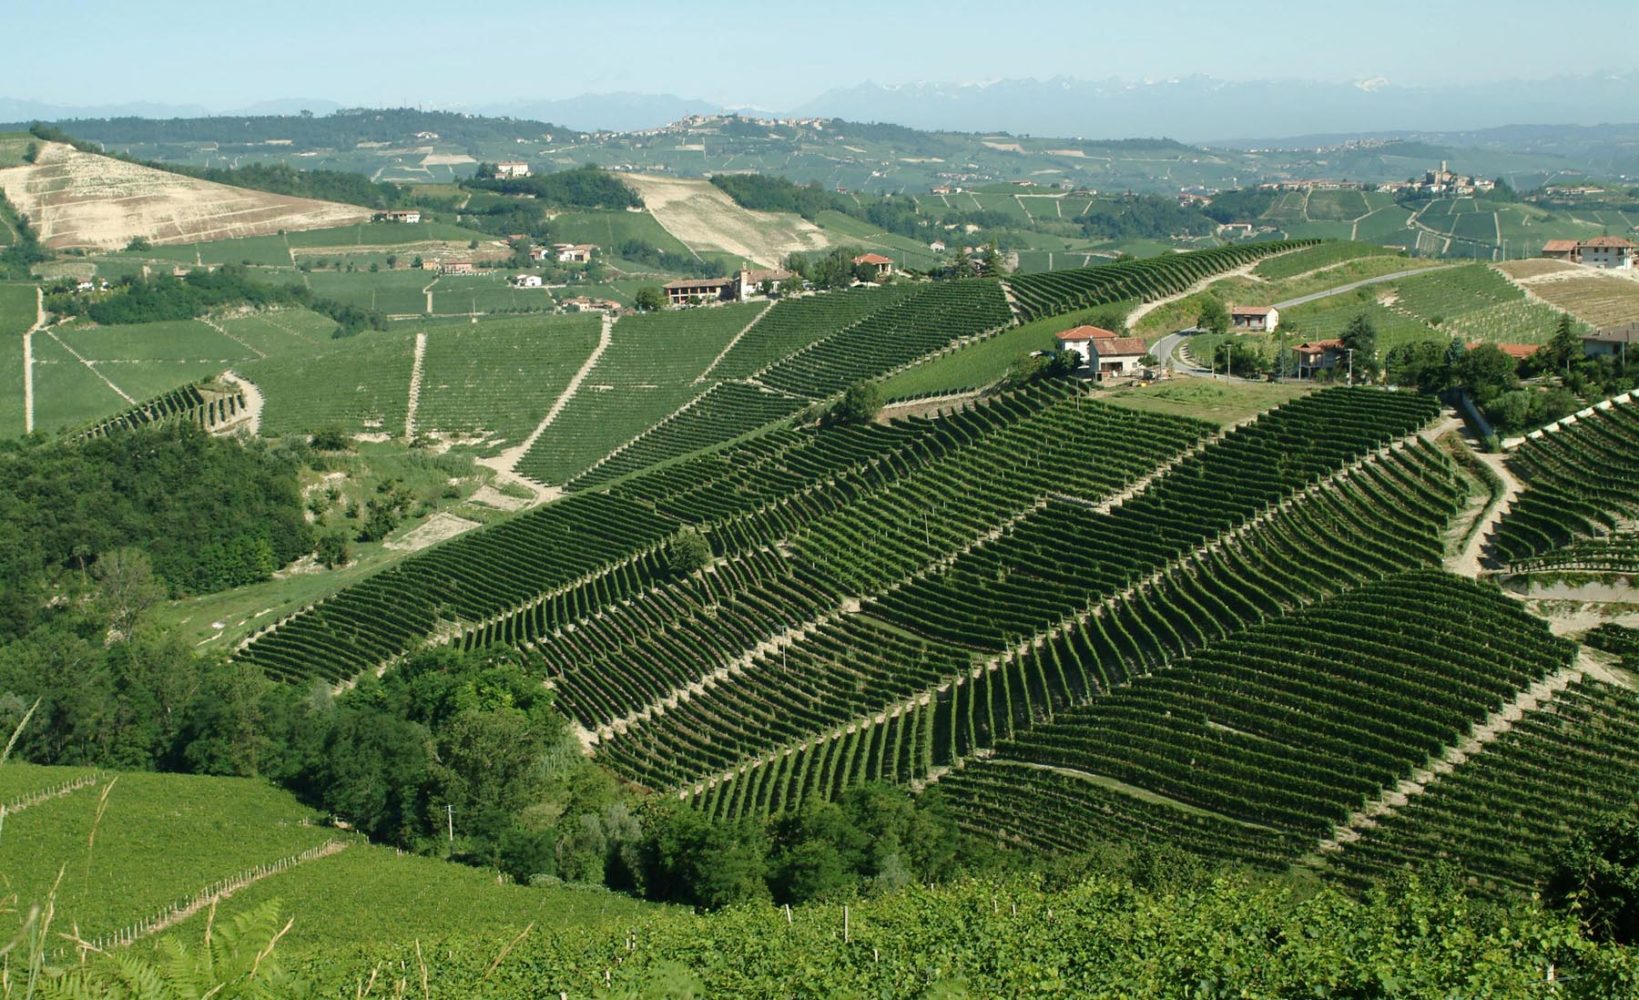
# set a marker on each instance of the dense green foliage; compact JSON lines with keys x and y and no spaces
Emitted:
{"x":1159,"y":935}
{"x":210,"y":513}
{"x":166,"y":297}
{"x":581,"y":187}
{"x":278,"y":178}
{"x":1144,"y":216}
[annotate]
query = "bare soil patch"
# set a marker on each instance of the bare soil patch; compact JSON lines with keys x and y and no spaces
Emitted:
{"x":433,"y":530}
{"x":80,"y":199}
{"x":705,"y":218}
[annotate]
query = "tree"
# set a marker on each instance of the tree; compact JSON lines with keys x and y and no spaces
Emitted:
{"x":31,"y":152}
{"x":687,"y":552}
{"x":649,"y":298}
{"x":333,"y":551}
{"x":139,"y":243}
{"x":1486,"y":372}
{"x":859,"y":405}
{"x":1213,"y":317}
{"x":1597,"y":876}
{"x":1360,"y":336}
{"x":126,"y":587}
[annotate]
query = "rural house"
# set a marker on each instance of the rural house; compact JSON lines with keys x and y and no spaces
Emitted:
{"x":1262,"y":319}
{"x":455,"y":267}
{"x":1559,"y":250}
{"x":526,"y":281}
{"x":749,"y":281}
{"x":1607,"y":252}
{"x":1318,"y":356}
{"x":399,"y":215}
{"x":574,"y":253}
{"x":882,"y":264}
{"x":1080,"y":339}
{"x":1612,"y":342}
{"x":585,"y":303}
{"x":512,"y":168}
{"x":1116,"y":355}
{"x":688,"y":291}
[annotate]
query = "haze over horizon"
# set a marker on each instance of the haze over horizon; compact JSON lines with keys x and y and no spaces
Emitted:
{"x":373,"y":54}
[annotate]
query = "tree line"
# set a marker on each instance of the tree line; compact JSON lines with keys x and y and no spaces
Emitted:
{"x":165,"y":297}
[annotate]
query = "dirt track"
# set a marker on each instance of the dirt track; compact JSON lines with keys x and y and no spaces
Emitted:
{"x":77,"y":199}
{"x":705,"y":218}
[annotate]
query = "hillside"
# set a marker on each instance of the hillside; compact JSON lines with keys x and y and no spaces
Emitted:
{"x":77,"y":199}
{"x":706,"y":219}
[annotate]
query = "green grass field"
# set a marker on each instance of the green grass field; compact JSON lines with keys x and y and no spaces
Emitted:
{"x":369,"y":895}
{"x":609,"y":228}
{"x":1223,"y":402}
{"x":283,"y":331}
{"x":16,"y":315}
{"x":461,"y":294}
{"x":375,"y":234}
{"x":161,"y":838}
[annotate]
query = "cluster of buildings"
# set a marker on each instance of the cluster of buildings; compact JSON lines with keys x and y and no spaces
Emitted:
{"x":1612,"y":252}
{"x":739,"y":287}
{"x":749,"y":282}
{"x":1443,"y":181}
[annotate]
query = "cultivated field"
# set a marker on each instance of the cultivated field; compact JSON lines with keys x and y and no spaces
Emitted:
{"x":1598,"y":298}
{"x":704,"y":218}
{"x":80,"y":199}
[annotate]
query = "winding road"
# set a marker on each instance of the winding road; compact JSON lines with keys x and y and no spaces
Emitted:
{"x":1166,"y":346}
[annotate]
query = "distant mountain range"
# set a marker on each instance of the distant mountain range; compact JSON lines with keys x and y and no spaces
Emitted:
{"x":1204,"y":110}
{"x":1197,"y":109}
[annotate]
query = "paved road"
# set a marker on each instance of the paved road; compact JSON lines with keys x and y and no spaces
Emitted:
{"x":1168,"y":345}
{"x":1340,"y":289}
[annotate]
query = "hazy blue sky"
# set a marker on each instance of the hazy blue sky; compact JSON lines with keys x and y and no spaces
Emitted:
{"x":768,"y":54}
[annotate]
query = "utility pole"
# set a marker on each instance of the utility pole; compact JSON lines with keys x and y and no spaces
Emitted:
{"x":449,"y":817}
{"x":1351,"y":366}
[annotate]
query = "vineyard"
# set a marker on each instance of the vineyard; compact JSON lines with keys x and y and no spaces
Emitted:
{"x":651,"y":368}
{"x":1260,"y":743}
{"x":1328,"y":254}
{"x":1582,"y":483}
{"x":1151,"y":278}
{"x":201,"y":406}
{"x":1502,"y":815}
{"x":794,"y":324}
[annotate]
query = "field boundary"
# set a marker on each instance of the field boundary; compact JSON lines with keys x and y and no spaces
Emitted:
{"x":416,"y":368}
{"x":208,"y":896}
{"x":91,"y":367}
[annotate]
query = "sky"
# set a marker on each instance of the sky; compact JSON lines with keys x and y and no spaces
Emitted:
{"x":767,"y":54}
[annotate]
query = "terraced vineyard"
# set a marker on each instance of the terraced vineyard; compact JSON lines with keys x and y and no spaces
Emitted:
{"x":724,"y":412}
{"x":929,"y":319}
{"x":861,"y":663}
{"x":190,"y":404}
{"x":650,"y":369}
{"x":1502,"y":815}
{"x":1326,"y":254}
{"x":794,"y":324}
{"x":1148,"y":279}
{"x":1257,"y":746}
{"x":361,"y":384}
{"x":1582,"y":483}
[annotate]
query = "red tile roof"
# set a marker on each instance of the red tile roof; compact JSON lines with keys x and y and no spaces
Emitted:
{"x":1519,"y":352}
{"x":1251,"y":310}
{"x":1607,"y":241}
{"x":1318,"y":347}
{"x":1559,"y":246}
{"x":1120,"y":347}
{"x":873,"y":258}
{"x":1087,"y":333}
